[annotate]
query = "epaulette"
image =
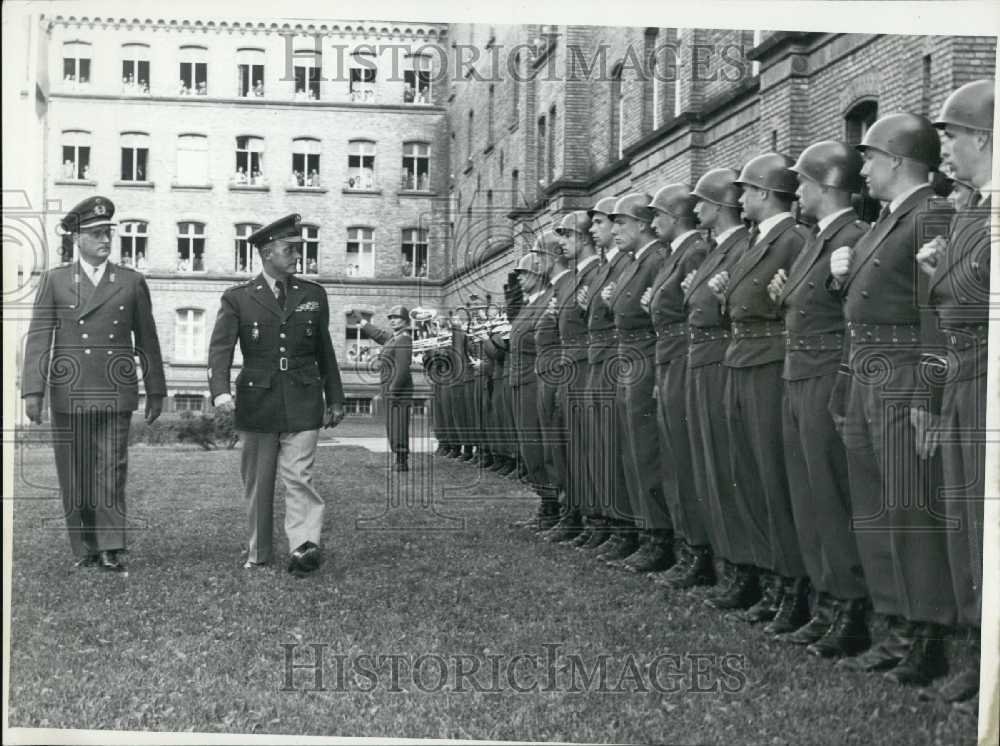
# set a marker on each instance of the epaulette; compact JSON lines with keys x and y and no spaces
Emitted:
{"x":239,"y":285}
{"x":299,"y":278}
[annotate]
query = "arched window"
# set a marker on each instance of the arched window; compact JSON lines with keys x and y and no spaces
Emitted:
{"x":858,"y":119}
{"x":309,"y":261}
{"x":414,"y":250}
{"x":193,"y":71}
{"x":308,"y":72}
{"x":244,"y":255}
{"x":133,"y":236}
{"x":76,"y":62}
{"x":135,"y":68}
{"x":360,"y":252}
{"x":192,"y":159}
{"x":249,"y":159}
{"x":305,"y":162}
{"x":135,"y":156}
{"x":75,"y":154}
{"x":363,"y":71}
{"x":190,"y":247}
{"x":249,"y":73}
{"x":416,"y":166}
{"x":361,"y":164}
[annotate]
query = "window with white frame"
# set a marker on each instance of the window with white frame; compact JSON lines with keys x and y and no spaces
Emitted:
{"x":189,"y":403}
{"x":360,"y":252}
{"x":135,"y":69}
{"x":359,"y":405}
{"x":308,"y":72}
{"x":189,"y":335}
{"x":249,"y":160}
{"x":193,"y":71}
{"x":414,"y":251}
{"x":133,"y":236}
{"x":245,"y":255}
{"x":361,"y":164}
{"x":76,"y":62}
{"x":417,"y":80}
{"x":249,"y":73}
{"x":75,"y":154}
{"x":190,"y":247}
{"x":417,"y":166}
{"x":363,"y":72}
{"x":360,"y":348}
{"x":192,"y":159}
{"x":135,"y":156}
{"x":309,"y":261}
{"x":305,"y":162}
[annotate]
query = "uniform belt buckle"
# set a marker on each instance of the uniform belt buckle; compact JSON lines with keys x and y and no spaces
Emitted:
{"x":282,"y":363}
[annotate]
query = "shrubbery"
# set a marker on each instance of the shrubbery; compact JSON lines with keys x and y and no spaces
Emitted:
{"x":209,"y":431}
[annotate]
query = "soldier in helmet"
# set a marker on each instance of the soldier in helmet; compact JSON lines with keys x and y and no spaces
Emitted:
{"x":755,"y":356}
{"x":959,"y":272}
{"x":675,"y":225}
{"x":394,"y":375}
{"x":829,"y":173}
{"x":718,"y":210}
{"x":897,"y":517}
{"x":633,"y":232}
{"x":92,"y":318}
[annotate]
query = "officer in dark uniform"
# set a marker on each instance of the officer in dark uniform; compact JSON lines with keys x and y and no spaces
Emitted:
{"x":633,"y":232}
{"x":755,"y":356}
{"x":675,"y":224}
{"x":90,"y":321}
{"x":289,"y":387}
{"x":718,"y":210}
{"x":959,"y":271}
{"x":897,"y":513}
{"x":829,"y":173}
{"x":394,"y":362}
{"x":497,"y":348}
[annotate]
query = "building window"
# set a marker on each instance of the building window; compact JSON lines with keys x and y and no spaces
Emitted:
{"x":135,"y":156}
{"x":249,"y":73}
{"x":858,"y":119}
{"x":76,"y":62}
{"x":76,"y":154}
{"x":362,"y":79}
{"x":360,"y":405}
{"x":417,"y":80}
{"x":190,"y":247}
{"x":360,"y":349}
{"x":135,"y":69}
{"x":194,"y":72}
{"x":416,"y":166}
{"x":245,"y":256}
{"x":249,"y":160}
{"x":540,"y":149}
{"x":515,"y":189}
{"x":550,"y":148}
{"x":489,"y":120}
{"x":414,"y":249}
{"x":192,"y":159}
{"x":617,"y":109}
{"x":189,"y":335}
{"x":308,"y":72}
{"x":360,"y":252}
{"x":309,"y":261}
{"x":189,"y":403}
{"x":305,"y":162}
{"x":361,"y":164}
{"x":132,"y":237}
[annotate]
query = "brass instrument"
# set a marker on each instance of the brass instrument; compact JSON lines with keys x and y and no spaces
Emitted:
{"x":430,"y":332}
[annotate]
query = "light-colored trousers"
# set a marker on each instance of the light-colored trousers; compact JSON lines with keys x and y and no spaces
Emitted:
{"x":292,"y":456}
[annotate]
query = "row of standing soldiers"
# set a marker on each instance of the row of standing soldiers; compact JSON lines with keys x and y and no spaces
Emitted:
{"x":792,"y":416}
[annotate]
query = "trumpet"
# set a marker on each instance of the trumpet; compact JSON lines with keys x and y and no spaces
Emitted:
{"x":496,"y":325}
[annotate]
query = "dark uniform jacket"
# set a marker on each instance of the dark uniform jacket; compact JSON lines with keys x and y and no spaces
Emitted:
{"x":708,"y":327}
{"x":635,"y":327}
{"x":289,"y":366}
{"x":960,"y":292}
{"x":814,"y":316}
{"x":666,"y":305}
{"x":394,"y":360}
{"x":757,"y":326}
{"x":82,"y":341}
{"x":548,"y":342}
{"x":522,"y":341}
{"x":572,"y":318}
{"x":601,"y":333}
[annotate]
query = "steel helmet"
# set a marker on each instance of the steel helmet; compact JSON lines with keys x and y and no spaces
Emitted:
{"x":769,"y":171}
{"x":605,"y":206}
{"x":578,"y":220}
{"x":719,"y":187}
{"x":969,"y":106}
{"x":547,"y":243}
{"x":904,"y":135}
{"x":634,"y":205}
{"x":675,"y":200}
{"x":831,"y":164}
{"x":531,"y":262}
{"x":400,"y":311}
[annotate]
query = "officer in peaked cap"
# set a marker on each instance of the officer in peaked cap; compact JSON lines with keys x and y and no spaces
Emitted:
{"x":288,"y":388}
{"x":394,"y":374}
{"x":92,"y":317}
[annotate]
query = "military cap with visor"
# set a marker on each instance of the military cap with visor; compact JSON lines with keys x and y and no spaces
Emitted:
{"x":288,"y":229}
{"x":93,"y":212}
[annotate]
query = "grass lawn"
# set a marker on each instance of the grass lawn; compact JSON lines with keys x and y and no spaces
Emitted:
{"x":189,"y":641}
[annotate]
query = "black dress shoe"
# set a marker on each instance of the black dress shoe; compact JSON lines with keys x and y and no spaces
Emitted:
{"x":304,"y":560}
{"x":766,"y":607}
{"x":924,"y":661}
{"x":848,"y":634}
{"x":743,"y":591}
{"x":793,"y":611}
{"x":619,"y":547}
{"x":598,"y":537}
{"x":657,"y":555}
{"x":886,"y":654}
{"x":817,"y":626}
{"x":698,"y":571}
{"x":88,"y":560}
{"x":568,"y":527}
{"x":110,"y":561}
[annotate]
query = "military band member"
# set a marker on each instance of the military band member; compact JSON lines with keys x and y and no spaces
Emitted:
{"x":897,"y":516}
{"x":289,"y":387}
{"x":755,"y":356}
{"x":90,"y":320}
{"x":959,"y":271}
{"x":675,"y":226}
{"x":395,"y":377}
{"x":497,"y":347}
{"x":829,"y":173}
{"x":633,"y":232}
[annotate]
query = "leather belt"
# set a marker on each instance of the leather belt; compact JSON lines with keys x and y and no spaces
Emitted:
{"x":604,"y":336}
{"x":284,"y":363}
{"x":636,"y":335}
{"x":755,"y":329}
{"x":676,"y":329}
{"x":699,"y":334}
{"x":908,"y":334}
{"x":813,"y":342}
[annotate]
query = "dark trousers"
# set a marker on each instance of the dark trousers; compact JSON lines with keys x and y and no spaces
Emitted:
{"x":397,"y":422}
{"x":898,"y":518}
{"x":550,"y":418}
{"x":444,"y":419}
{"x":91,"y":451}
{"x":820,"y":489}
{"x":529,"y":437}
{"x":753,"y":413}
{"x":642,"y":438}
{"x":686,"y":507}
{"x":607,"y":495}
{"x":504,"y":436}
{"x":573,"y":405}
{"x":963,"y":452}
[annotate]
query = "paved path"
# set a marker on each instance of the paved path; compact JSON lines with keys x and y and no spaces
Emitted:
{"x":381,"y":445}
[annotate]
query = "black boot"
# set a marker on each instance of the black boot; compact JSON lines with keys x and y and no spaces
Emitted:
{"x":820,"y":623}
{"x":925,"y":660}
{"x":766,"y":607}
{"x":657,"y":555}
{"x":886,"y":654}
{"x":793,"y":612}
{"x":507,"y":466}
{"x":699,"y":571}
{"x":598,"y":536}
{"x":568,"y":526}
{"x":848,"y":634}
{"x":743,"y":591}
{"x":619,"y":546}
{"x":724,"y":582}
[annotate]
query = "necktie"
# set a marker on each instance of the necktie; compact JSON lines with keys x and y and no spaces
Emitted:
{"x":280,"y":285}
{"x":754,"y":234}
{"x":884,"y":215}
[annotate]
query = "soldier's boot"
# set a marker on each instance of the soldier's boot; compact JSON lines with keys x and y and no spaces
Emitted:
{"x":584,"y":536}
{"x":725,"y":581}
{"x":882,"y":656}
{"x":822,"y":619}
{"x":699,"y":571}
{"x":766,"y":607}
{"x":793,"y":612}
{"x":925,"y":660}
{"x":454,"y":452}
{"x":960,"y":686}
{"x":743,"y":591}
{"x":637,"y":546}
{"x":599,"y":536}
{"x":848,"y":634}
{"x":619,"y":546}
{"x":505,"y":466}
{"x":658,"y":554}
{"x":569,"y":527}
{"x":683,"y":559}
